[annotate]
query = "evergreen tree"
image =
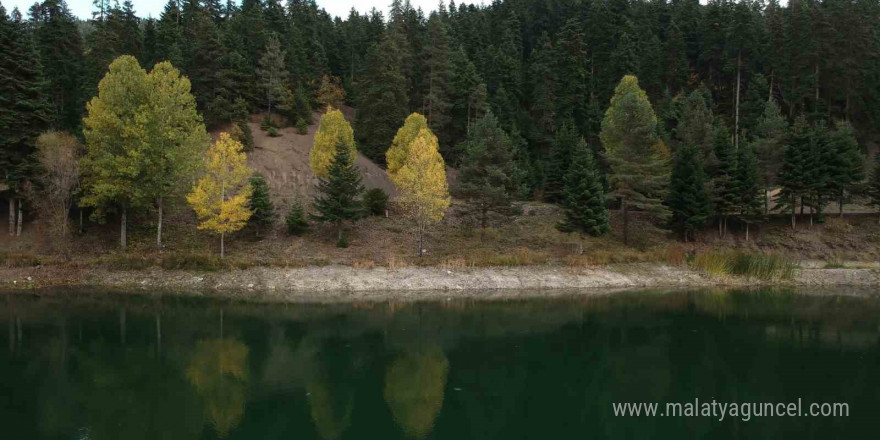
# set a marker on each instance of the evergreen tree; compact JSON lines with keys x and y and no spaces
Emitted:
{"x":770,"y":135}
{"x":339,"y":199}
{"x":846,"y":164}
{"x":384,"y":100}
{"x":583,"y":198}
{"x":750,"y":196}
{"x":695,"y":123}
{"x":272,"y":74}
{"x":376,"y":201}
{"x":296,"y":221}
{"x":639,"y":175}
{"x":23,"y":109}
{"x":438,"y":104}
{"x":486,"y":177}
{"x":564,"y":143}
{"x":260,"y":203}
{"x":872,"y":188}
{"x":793,"y":177}
{"x":688,"y":199}
{"x":724,"y":189}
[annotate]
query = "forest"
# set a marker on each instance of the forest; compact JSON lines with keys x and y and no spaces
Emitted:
{"x":686,"y":113}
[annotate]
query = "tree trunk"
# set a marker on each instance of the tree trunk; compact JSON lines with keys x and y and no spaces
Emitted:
{"x":159,"y":225}
{"x":222,"y":246}
{"x":766,"y":201}
{"x":20,"y":219}
{"x":793,"y":221}
{"x":123,"y":233}
{"x":747,"y":232}
{"x":625,"y":222}
{"x":736,"y":119}
{"x":420,"y":233}
{"x":770,"y":93}
{"x":720,"y":230}
{"x":11,"y":215}
{"x":80,"y":220}
{"x":338,"y":232}
{"x":840,"y":202}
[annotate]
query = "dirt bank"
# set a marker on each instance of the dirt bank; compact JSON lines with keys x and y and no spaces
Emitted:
{"x":342,"y":281}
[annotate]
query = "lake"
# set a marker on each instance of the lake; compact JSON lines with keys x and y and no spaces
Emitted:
{"x":83,"y":365}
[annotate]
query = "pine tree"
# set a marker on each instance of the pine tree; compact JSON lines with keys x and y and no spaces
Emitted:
{"x":873,"y":185}
{"x":695,"y":123}
{"x":486,"y":178}
{"x":437,"y":106}
{"x":273,"y":75}
{"x":770,"y":135}
{"x":688,"y":199}
{"x":723,"y":177}
{"x":260,"y":204}
{"x":296,"y":221}
{"x":23,"y":109}
{"x":564,"y":142}
{"x":384,"y":100}
{"x":339,"y":199}
{"x":639,"y":175}
{"x":793,"y":175}
{"x":583,"y":198}
{"x":846,"y":165}
{"x":750,"y":196}
{"x":220,"y":197}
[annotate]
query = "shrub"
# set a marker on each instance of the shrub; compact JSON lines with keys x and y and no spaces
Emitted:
{"x":302,"y":127}
{"x":266,"y":123}
{"x":296,"y":220}
{"x":273,"y":132}
{"x":757,"y":265}
{"x":19,"y":260}
{"x":375,"y":201}
{"x":241,"y":132}
{"x":343,"y":242}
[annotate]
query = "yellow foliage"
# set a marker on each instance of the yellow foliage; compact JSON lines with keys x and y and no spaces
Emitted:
{"x":421,"y":181}
{"x":397,"y":154}
{"x":218,"y":371}
{"x":333,"y":130}
{"x":414,"y":387}
{"x":220,"y":197}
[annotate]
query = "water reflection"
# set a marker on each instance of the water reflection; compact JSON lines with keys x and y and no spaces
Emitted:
{"x":89,"y":366}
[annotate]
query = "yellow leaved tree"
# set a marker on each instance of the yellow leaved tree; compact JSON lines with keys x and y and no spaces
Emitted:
{"x":333,"y":130}
{"x":397,"y":154}
{"x":220,"y":197}
{"x":421,"y":183}
{"x":414,"y":389}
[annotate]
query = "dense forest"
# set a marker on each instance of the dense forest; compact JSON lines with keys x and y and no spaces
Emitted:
{"x":791,"y":93}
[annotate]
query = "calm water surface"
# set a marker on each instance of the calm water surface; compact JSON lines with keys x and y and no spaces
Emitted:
{"x":88,"y":366}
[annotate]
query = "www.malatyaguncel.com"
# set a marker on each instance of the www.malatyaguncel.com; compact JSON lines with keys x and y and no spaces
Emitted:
{"x":721,"y":410}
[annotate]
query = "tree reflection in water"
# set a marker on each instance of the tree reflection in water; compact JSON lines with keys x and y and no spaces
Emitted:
{"x":414,"y":388}
{"x":218,"y":371}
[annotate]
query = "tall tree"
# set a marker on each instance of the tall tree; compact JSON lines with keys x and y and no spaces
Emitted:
{"x":564,"y":143}
{"x":383,"y":99}
{"x":583,"y":198}
{"x":260,"y":204}
{"x":487,"y":176}
{"x":437,"y":107}
{"x":750,"y":196}
{"x":793,"y":174}
{"x":333,"y":131}
{"x":873,"y":184}
{"x":339,"y":199}
{"x":273,"y":75}
{"x":770,"y":136}
{"x":688,"y":199}
{"x":220,"y":197}
{"x":639,"y":175}
{"x":723,"y":177}
{"x":421,"y":184}
{"x":846,"y":164}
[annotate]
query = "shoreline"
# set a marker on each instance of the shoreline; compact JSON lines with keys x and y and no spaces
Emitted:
{"x":344,"y":282}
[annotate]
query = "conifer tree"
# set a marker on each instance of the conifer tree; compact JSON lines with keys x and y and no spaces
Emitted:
{"x":695,"y":124}
{"x":437,"y":106}
{"x":793,"y":178}
{"x":723,"y":178}
{"x":339,"y":199}
{"x":688,"y":199}
{"x":583,"y":198}
{"x":220,"y":197}
{"x":383,"y":99}
{"x":872,"y":188}
{"x":486,"y":178}
{"x":750,"y":196}
{"x":639,"y":175}
{"x":260,"y":204}
{"x":846,"y":165}
{"x":296,"y":221}
{"x":770,"y":135}
{"x":273,"y":75}
{"x":564,"y":142}
{"x":23,"y":109}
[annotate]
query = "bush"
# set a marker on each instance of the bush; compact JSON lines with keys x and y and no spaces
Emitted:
{"x":759,"y":265}
{"x":375,"y":201}
{"x":266,"y":123}
{"x":260,"y":203}
{"x":273,"y":132}
{"x":296,"y":220}
{"x":302,"y":127}
{"x":343,"y":242}
{"x":241,"y":132}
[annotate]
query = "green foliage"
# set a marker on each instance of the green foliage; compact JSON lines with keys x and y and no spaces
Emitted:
{"x":266,"y":123}
{"x":724,"y":189}
{"x":749,"y":192}
{"x":273,"y":132}
{"x":302,"y":127}
{"x":339,"y":199}
{"x":384,"y":103}
{"x":846,"y":166}
{"x":873,"y":185}
{"x":583,"y":198}
{"x":375,"y":201}
{"x":763,"y":266}
{"x":564,"y":142}
{"x":688,"y":200}
{"x":241,"y":132}
{"x":793,"y":174}
{"x":296,"y":221}
{"x":260,"y":203}
{"x":486,"y":177}
{"x":273,"y":75}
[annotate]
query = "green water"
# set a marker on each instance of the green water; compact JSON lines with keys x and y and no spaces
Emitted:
{"x":84,"y":366}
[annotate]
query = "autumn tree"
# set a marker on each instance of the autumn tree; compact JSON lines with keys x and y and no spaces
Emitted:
{"x":331,"y":94}
{"x":639,"y":175}
{"x":220,"y":197}
{"x":421,"y":184}
{"x":57,"y":180}
{"x":397,"y":154}
{"x":333,"y":131}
